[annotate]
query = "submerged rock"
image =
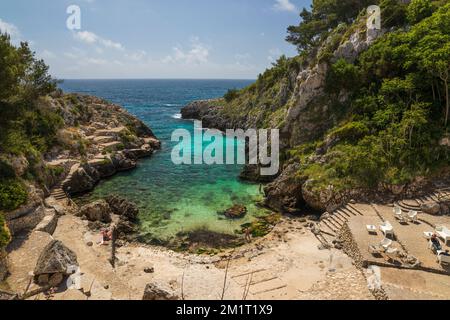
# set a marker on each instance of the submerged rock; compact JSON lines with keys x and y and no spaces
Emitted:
{"x":236,"y":212}
{"x":55,"y":262}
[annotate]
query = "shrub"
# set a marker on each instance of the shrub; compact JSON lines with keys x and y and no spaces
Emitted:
{"x":231,"y":95}
{"x":12,"y":194}
{"x":342,"y":76}
{"x":419,"y":10}
{"x":6,"y":171}
{"x":351,"y":131}
{"x":5,"y":235}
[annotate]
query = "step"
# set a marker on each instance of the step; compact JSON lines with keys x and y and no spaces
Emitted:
{"x":336,"y":222}
{"x":347,"y":215}
{"x":104,"y":139}
{"x":109,"y":132}
{"x":329,"y":225}
{"x":350,"y":212}
{"x":352,"y":208}
{"x":111,"y":145}
{"x":341,"y":216}
{"x":325,"y":228}
{"x":338,"y":217}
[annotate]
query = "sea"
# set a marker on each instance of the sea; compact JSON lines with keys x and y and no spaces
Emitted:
{"x":173,"y":199}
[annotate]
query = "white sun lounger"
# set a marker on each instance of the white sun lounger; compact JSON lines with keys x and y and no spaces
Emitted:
{"x":398,"y":213}
{"x":386,"y":243}
{"x":443,"y":233}
{"x":443,"y":258}
{"x":387,"y":229}
{"x":412,"y":216}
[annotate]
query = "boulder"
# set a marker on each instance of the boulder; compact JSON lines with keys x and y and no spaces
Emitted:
{"x":83,"y":179}
{"x":97,"y":211}
{"x":55,"y":262}
{"x":49,"y":222}
{"x":124,"y":228}
{"x":105,"y":167}
{"x":122,"y":163}
{"x":236,"y":212}
{"x":122,"y":207}
{"x":285,"y":193}
{"x":431,"y":208}
{"x":155,"y":291}
{"x":138,"y":153}
{"x":26,"y":222}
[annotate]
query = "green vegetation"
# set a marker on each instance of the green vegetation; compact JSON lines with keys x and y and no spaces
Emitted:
{"x":5,"y":236}
{"x":12,"y":194}
{"x":324,"y":16}
{"x":390,"y":107}
{"x":27,"y":122}
{"x":398,"y":110}
{"x":266,"y":99}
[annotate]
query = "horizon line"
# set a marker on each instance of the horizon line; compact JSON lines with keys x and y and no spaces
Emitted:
{"x":234,"y":79}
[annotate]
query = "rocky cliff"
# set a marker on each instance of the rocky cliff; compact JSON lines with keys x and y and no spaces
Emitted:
{"x":96,"y":140}
{"x":320,"y":99}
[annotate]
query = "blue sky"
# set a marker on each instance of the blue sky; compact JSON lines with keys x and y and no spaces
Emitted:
{"x":235,"y":39}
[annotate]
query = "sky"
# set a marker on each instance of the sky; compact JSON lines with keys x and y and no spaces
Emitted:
{"x":196,"y":39}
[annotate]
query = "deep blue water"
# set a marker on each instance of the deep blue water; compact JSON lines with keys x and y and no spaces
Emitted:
{"x":172,"y":198}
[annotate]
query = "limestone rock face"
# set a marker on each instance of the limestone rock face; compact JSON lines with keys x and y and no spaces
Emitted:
{"x":55,"y":262}
{"x":154,"y":291}
{"x":97,"y":211}
{"x":285,"y":193}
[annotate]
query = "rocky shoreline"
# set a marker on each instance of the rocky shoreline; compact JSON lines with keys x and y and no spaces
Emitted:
{"x":287,"y":193}
{"x":98,"y":140}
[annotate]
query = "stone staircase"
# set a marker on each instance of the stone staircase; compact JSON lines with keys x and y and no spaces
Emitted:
{"x":415,"y":204}
{"x":332,"y":223}
{"x":57,"y":192}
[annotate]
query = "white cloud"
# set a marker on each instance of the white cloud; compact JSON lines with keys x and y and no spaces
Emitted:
{"x":285,"y":5}
{"x":242,"y":56}
{"x":93,"y":39}
{"x":197,"y":54}
{"x":11,"y":29}
{"x":274,"y":54}
{"x":138,"y":56}
{"x":47,"y":54}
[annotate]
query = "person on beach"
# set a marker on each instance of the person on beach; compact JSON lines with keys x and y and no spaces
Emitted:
{"x":435,"y":244}
{"x":248,"y":236}
{"x":106,"y":236}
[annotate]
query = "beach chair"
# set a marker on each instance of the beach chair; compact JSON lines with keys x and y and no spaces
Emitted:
{"x":412,"y":216}
{"x":392,"y":254}
{"x":371,"y":229}
{"x":443,"y":233}
{"x":387,"y":229}
{"x":386,"y":244}
{"x":398,"y":213}
{"x":443,"y":258}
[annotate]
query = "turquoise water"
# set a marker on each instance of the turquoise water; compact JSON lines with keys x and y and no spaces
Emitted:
{"x":173,"y":198}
